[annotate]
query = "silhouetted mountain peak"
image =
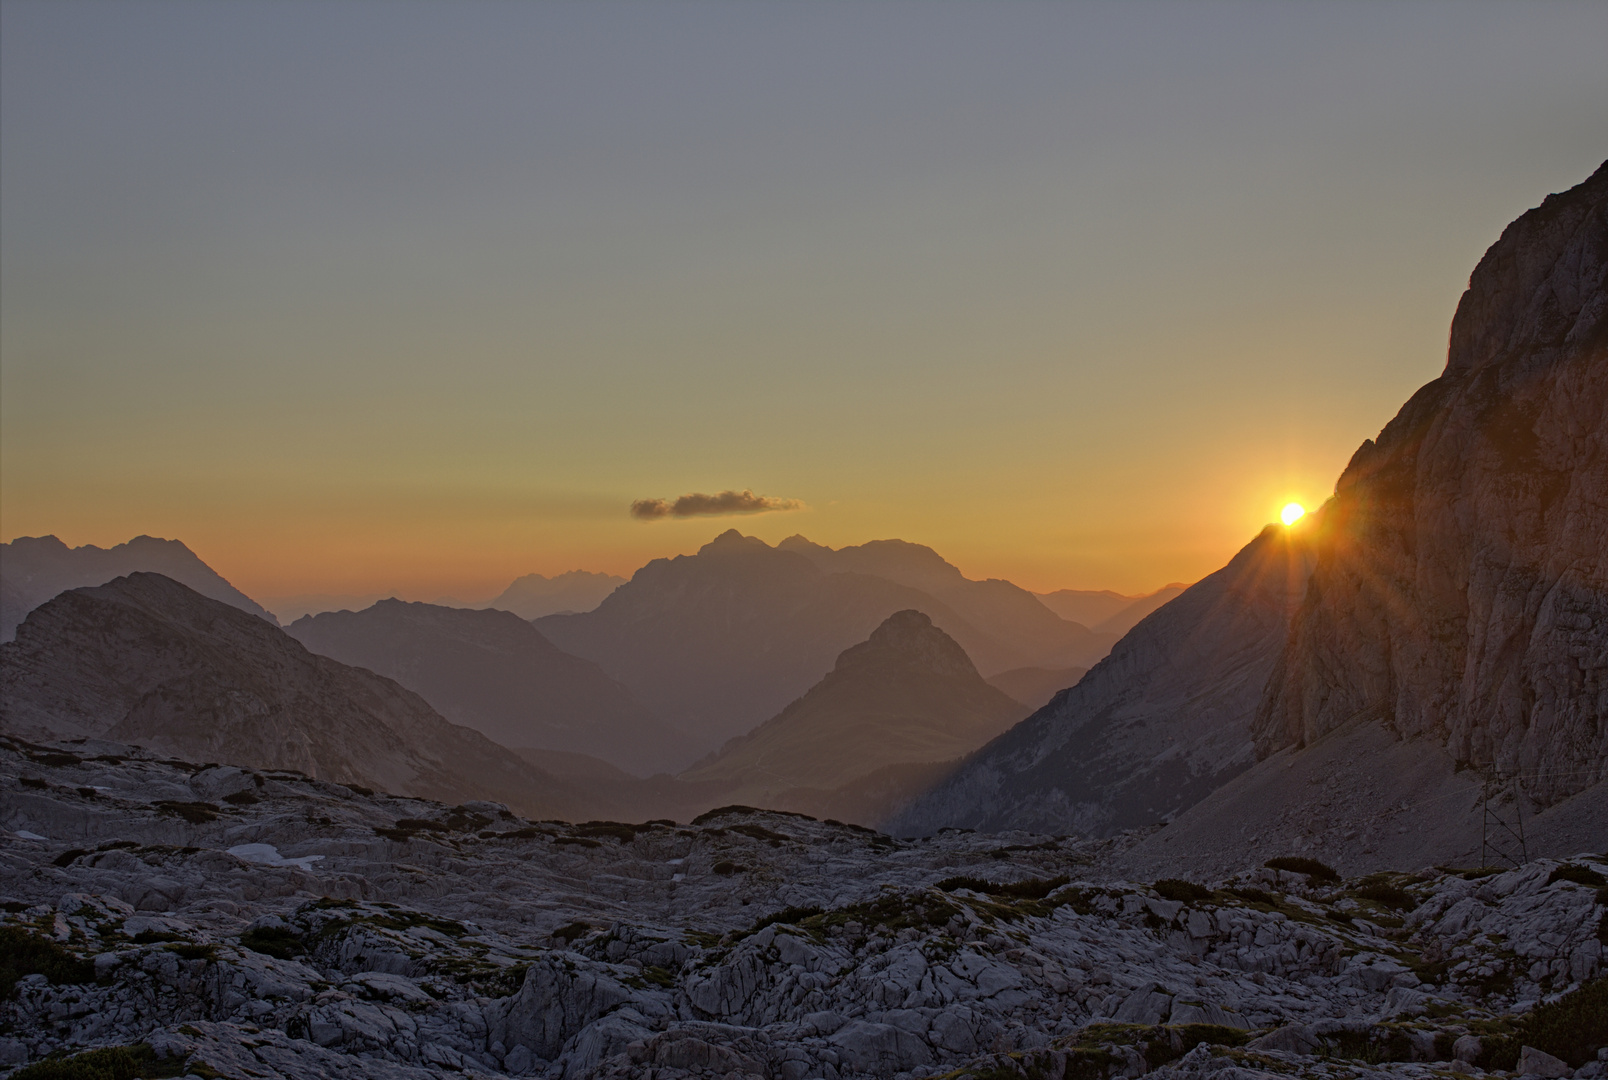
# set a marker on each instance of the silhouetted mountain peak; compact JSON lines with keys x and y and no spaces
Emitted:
{"x":910,"y":640}
{"x":731,"y":541}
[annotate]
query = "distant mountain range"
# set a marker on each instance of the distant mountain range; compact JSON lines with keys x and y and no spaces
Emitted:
{"x":720,"y":641}
{"x":908,"y":695}
{"x":35,"y":568}
{"x":144,"y":659}
{"x":1107,"y":612}
{"x":532,"y":596}
{"x":493,"y":671}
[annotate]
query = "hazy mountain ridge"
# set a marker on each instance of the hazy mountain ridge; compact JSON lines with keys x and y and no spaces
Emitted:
{"x":721,"y":641}
{"x":907,"y":695}
{"x":144,"y":659}
{"x":1015,"y":618}
{"x":534,"y":595}
{"x":1107,"y":612}
{"x":35,"y":568}
{"x":492,"y":671}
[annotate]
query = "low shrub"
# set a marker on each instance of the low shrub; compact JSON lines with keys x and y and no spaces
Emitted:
{"x":1390,"y":896}
{"x":25,"y":953}
{"x":1029,"y":889}
{"x":1572,"y":1028}
{"x":1580,"y":875}
{"x":196,"y":813}
{"x":280,"y":942}
{"x":108,"y":1063}
{"x":1299,"y":864}
{"x":1183,"y":892}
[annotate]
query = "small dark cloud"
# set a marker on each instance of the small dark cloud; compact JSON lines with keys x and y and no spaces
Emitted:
{"x":700,"y":505}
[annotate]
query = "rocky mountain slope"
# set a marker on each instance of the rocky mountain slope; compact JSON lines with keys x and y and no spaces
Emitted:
{"x":214,"y":921}
{"x":907,"y":695}
{"x":718,"y":642}
{"x":493,"y":671}
{"x":1008,"y":614}
{"x":35,"y":568}
{"x":532,"y":596}
{"x":1461,"y":587}
{"x":144,"y":659}
{"x":1151,"y":729}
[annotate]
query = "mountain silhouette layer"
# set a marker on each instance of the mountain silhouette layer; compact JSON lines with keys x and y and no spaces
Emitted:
{"x":532,"y":596}
{"x":35,"y":568}
{"x":718,"y":642}
{"x":1034,"y":686}
{"x":493,"y":671}
{"x":143,"y":659}
{"x":907,"y":695}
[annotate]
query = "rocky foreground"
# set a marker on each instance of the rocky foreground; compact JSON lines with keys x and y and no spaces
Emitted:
{"x":215,"y":921}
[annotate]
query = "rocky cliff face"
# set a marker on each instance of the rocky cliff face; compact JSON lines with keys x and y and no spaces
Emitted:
{"x":1154,"y":727}
{"x":496,"y":673}
{"x":1461,"y":587}
{"x":145,"y":660}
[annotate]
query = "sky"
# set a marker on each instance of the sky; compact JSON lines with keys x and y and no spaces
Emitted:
{"x":419,"y":297}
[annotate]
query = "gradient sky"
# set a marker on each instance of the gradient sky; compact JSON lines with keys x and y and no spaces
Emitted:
{"x":402,"y":296}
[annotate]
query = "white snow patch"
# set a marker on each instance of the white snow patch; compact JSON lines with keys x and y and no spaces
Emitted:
{"x":268,"y":855}
{"x":26,"y":835}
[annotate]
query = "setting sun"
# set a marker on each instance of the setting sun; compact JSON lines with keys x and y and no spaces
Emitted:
{"x":1292,"y":513}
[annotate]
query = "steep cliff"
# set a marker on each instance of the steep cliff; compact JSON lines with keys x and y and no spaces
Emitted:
{"x":1460,"y":592}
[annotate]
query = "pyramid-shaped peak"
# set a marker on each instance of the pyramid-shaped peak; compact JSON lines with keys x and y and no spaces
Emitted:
{"x":909,"y":639}
{"x":732,"y":541}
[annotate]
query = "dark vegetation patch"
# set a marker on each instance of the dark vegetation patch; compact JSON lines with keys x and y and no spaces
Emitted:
{"x":155,"y":937}
{"x":759,"y":832}
{"x":1030,"y":889}
{"x":196,"y":813}
{"x":1580,"y":875}
{"x":137,"y":1062}
{"x":34,"y":782}
{"x":54,"y":760}
{"x":1572,"y":1028}
{"x":1391,"y":896}
{"x":240,"y":798}
{"x":616,"y":829}
{"x":194,"y":952}
{"x":280,"y":942}
{"x":578,"y":841}
{"x":1182,"y":892}
{"x":1299,"y":864}
{"x":569,"y":932}
{"x":67,"y":857}
{"x":359,"y":789}
{"x":726,"y":868}
{"x":23,"y":952}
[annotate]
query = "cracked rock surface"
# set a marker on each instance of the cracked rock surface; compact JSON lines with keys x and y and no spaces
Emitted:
{"x":354,"y":934}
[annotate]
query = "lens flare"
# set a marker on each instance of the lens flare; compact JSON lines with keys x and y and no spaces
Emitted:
{"x":1292,"y":513}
